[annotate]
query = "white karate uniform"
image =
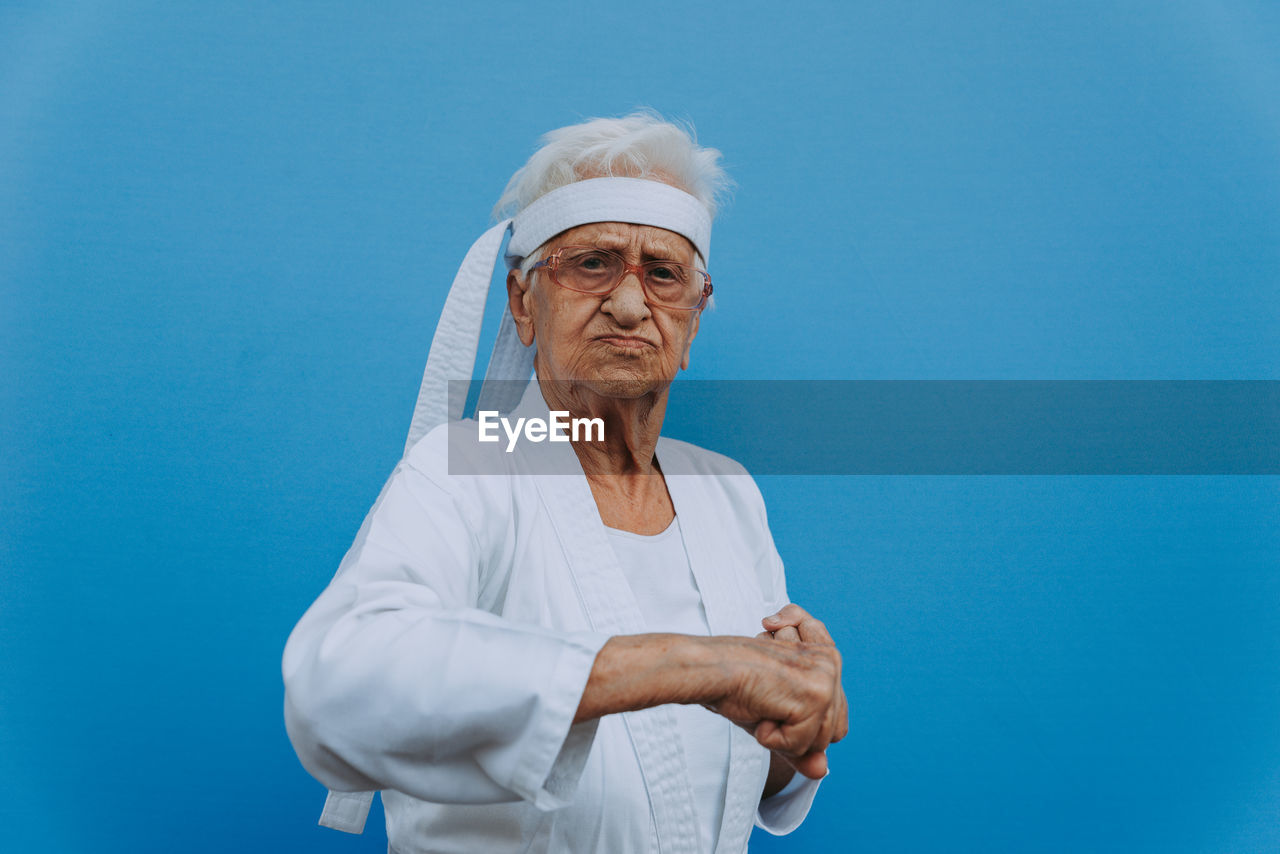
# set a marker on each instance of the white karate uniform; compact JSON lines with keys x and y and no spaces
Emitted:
{"x":444,"y":663}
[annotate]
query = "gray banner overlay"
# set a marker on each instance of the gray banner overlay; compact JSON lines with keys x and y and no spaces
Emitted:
{"x":927,"y":427}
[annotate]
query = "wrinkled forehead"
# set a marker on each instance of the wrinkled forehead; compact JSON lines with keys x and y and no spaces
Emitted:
{"x":647,"y":241}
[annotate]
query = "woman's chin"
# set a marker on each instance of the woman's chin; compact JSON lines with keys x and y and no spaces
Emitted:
{"x":624,"y":385}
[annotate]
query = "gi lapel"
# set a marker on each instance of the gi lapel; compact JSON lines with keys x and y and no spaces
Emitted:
{"x":726,"y":597}
{"x":612,"y":609}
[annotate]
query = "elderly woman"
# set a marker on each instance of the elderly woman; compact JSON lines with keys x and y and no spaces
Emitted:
{"x":557,"y":647}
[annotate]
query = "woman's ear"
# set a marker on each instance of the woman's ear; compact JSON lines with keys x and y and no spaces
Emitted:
{"x":688,"y":345}
{"x":518,"y":299}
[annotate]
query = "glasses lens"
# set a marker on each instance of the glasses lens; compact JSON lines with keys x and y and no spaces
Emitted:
{"x":673,"y":284}
{"x":589,"y":270}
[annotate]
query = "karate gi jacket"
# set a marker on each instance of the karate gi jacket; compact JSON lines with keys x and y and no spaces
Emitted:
{"x":444,"y":663}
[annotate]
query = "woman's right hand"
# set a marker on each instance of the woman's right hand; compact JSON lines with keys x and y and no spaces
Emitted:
{"x":788,"y":695}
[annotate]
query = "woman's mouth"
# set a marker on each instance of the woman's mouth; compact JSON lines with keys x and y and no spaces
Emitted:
{"x":626,"y":342}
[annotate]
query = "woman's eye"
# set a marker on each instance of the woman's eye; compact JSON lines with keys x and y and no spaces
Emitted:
{"x":590,"y":262}
{"x":664,"y":274}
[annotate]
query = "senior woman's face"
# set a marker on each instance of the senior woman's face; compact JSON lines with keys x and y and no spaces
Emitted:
{"x":619,"y":345}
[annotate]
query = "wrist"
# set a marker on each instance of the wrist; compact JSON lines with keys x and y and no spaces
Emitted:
{"x":727,"y":666}
{"x":709,"y":666}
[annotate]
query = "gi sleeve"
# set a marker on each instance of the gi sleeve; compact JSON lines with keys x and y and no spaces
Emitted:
{"x":783,"y":812}
{"x":394,"y":680}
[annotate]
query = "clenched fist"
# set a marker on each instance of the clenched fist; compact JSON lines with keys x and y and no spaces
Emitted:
{"x":788,"y":695}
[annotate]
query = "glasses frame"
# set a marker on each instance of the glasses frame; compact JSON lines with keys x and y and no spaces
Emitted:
{"x":552,"y":265}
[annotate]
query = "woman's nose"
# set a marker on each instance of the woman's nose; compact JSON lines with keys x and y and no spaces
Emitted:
{"x":628,"y":303}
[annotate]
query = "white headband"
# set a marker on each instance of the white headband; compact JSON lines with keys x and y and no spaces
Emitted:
{"x":453,"y":347}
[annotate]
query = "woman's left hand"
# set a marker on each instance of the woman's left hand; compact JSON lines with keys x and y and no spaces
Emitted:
{"x":795,"y":624}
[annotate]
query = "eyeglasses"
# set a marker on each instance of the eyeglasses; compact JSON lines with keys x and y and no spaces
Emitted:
{"x":589,"y":270}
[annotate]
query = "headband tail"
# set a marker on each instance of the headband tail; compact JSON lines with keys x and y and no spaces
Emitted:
{"x":510,"y":366}
{"x":453,"y":347}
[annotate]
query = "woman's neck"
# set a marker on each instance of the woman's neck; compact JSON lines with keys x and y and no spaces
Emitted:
{"x":631,"y":426}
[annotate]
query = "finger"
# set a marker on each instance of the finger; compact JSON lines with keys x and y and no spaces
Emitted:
{"x":830,"y":722}
{"x":813,"y":630}
{"x":788,"y":615}
{"x":767,"y":733}
{"x":842,"y":723}
{"x":831,"y":711}
{"x":812,"y":765}
{"x":842,"y":728}
{"x":787,"y":633}
{"x":839,"y":711}
{"x":793,"y":738}
{"x":765,"y":636}
{"x":784,"y":738}
{"x":837,"y":718}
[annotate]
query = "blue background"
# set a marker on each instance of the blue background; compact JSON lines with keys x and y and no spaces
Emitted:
{"x":226,"y":231}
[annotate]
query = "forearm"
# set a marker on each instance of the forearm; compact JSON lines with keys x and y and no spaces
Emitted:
{"x":640,"y":671}
{"x":787,"y":695}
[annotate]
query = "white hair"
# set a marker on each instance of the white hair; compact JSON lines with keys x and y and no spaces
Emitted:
{"x":641,"y":145}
